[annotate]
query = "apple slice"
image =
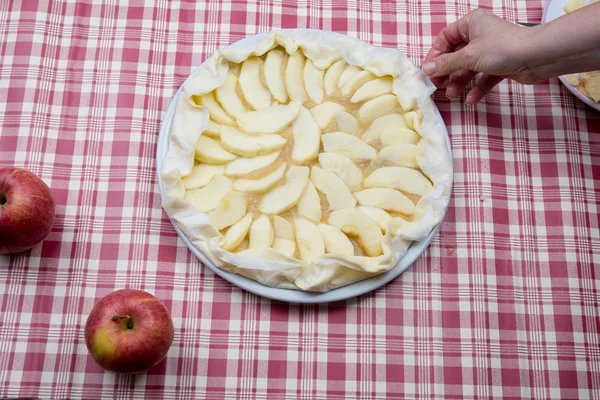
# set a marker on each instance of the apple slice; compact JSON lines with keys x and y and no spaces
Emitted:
{"x":392,"y":137}
{"x":231,"y":209}
{"x":294,"y":77}
{"x":335,"y":240}
{"x":212,"y":130}
{"x":343,"y":167}
{"x":244,"y":166}
{"x":355,"y":82}
{"x":372,"y":89}
{"x":309,"y":240}
{"x":380,"y":216}
{"x":347,"y":123}
{"x":201,"y":175}
{"x":284,"y":197}
{"x":390,"y":122}
{"x":261,"y":233}
{"x":256,"y":95}
{"x":325,"y":112}
{"x":273,"y":69}
{"x":209,"y":197}
{"x":271,"y":120}
{"x":250,"y":146}
{"x":210,"y":151}
{"x":402,"y":155}
{"x":313,"y":82}
{"x":332,"y":76}
{"x":215,"y":110}
{"x":356,"y":224}
{"x":406,"y":179}
{"x":309,"y":205}
{"x":236,"y":234}
{"x":377,"y":107}
{"x":347,"y":145}
{"x":260,"y":185}
{"x":386,"y":199}
{"x":227,"y":96}
{"x":337,"y":192}
{"x":348,"y":73}
{"x":284,"y":240}
{"x":307,"y":137}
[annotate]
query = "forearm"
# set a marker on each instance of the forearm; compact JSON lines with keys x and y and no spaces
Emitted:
{"x":566,"y":45}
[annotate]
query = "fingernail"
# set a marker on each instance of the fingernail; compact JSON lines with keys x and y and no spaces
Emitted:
{"x":429,"y":68}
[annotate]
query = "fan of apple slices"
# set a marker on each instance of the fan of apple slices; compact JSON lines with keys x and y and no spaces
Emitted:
{"x":306,"y":161}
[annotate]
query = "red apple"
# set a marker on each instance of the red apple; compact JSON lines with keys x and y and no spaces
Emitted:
{"x":129,"y":331}
{"x":27,"y":210}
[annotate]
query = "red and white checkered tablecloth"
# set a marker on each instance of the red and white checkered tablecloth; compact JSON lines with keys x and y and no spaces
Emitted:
{"x":504,"y":303}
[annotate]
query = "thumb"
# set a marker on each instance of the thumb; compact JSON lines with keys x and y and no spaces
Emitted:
{"x":445,"y":64}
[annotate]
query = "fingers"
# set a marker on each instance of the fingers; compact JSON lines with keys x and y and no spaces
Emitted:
{"x":484,"y":84}
{"x":458,"y":81}
{"x":445,"y":64}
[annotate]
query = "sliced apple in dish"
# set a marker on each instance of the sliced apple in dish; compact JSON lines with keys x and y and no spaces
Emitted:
{"x":284,"y":240}
{"x":256,"y":95}
{"x":286,"y":196}
{"x":309,"y":205}
{"x":209,"y":197}
{"x":378,"y":107}
{"x":236,"y":234}
{"x":332,"y":76}
{"x":244,"y":166}
{"x":372,"y":89}
{"x":309,"y":240}
{"x":210,"y":151}
{"x":313,"y":82}
{"x":215,"y":110}
{"x":261,"y":233}
{"x":380,"y":216}
{"x":386,"y":199}
{"x":406,"y":179}
{"x":307,"y":137}
{"x":294,"y":77}
{"x":228,"y":98}
{"x":347,"y":145}
{"x":274,"y":74}
{"x":201,"y":175}
{"x":260,"y":185}
{"x":270,"y":120}
{"x":402,"y":155}
{"x":390,"y":122}
{"x":250,"y":146}
{"x":356,"y":224}
{"x":337,"y":192}
{"x":325,"y":112}
{"x":335,"y":240}
{"x":343,"y":167}
{"x":231,"y":209}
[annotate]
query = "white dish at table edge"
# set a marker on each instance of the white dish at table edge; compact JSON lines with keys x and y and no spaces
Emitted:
{"x":552,"y":10}
{"x":289,"y":295}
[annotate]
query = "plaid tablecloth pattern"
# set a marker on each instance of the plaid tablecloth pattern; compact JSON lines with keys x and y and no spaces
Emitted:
{"x":504,"y":303}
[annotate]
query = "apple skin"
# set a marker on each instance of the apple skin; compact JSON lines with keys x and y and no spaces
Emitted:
{"x":129,"y":345}
{"x":27,"y":210}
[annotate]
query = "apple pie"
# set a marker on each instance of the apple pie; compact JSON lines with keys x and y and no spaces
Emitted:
{"x":306,"y":160}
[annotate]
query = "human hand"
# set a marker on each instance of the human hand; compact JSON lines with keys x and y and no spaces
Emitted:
{"x":480,"y":42}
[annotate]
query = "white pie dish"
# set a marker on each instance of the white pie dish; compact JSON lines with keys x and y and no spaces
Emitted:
{"x":354,"y":289}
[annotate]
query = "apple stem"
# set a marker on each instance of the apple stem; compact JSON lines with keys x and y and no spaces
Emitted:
{"x":3,"y":198}
{"x":120,"y":317}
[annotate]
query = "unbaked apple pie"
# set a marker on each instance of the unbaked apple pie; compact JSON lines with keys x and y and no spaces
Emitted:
{"x":307,"y":165}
